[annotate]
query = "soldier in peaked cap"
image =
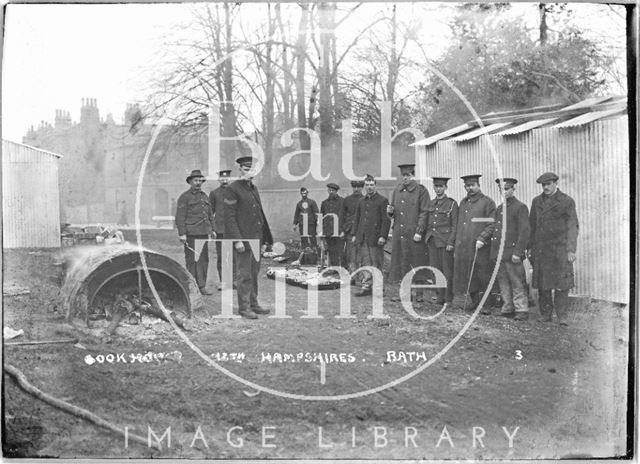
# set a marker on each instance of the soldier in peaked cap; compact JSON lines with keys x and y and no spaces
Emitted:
{"x":216,"y":198}
{"x":194,"y":220}
{"x":473,"y":236}
{"x":408,"y":209}
{"x":552,"y":247}
{"x":245,"y":220}
{"x":350,"y":258}
{"x":332,"y":217}
{"x":306,"y":213}
{"x":442,"y":220}
{"x":511,"y":274}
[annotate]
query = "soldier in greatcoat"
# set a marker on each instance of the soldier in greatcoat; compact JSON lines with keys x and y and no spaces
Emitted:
{"x":306,"y":213}
{"x":216,"y":198}
{"x":511,"y":274}
{"x":440,"y":238}
{"x":552,"y":247}
{"x":371,"y":229}
{"x":408,"y":209}
{"x":349,"y":205}
{"x":333,"y":236}
{"x":194,"y":221}
{"x":244,"y":220}
{"x":473,"y":236}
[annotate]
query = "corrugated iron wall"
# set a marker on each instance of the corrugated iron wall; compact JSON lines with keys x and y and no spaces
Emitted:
{"x":30,"y":197}
{"x":593,"y":164}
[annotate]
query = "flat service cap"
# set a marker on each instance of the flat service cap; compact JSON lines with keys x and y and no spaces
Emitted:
{"x":507,"y":181}
{"x":547,"y":177}
{"x":246,"y":161}
{"x":471,"y":178}
{"x":440,"y":180}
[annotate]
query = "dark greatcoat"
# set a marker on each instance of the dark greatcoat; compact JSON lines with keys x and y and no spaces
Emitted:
{"x":410,"y":204}
{"x":335,"y":206}
{"x":349,"y":206}
{"x":311,"y":210}
{"x":370,"y":220}
{"x":216,"y":198}
{"x":243,"y":214}
{"x":467,"y":233}
{"x":518,"y":230}
{"x":554,"y":233}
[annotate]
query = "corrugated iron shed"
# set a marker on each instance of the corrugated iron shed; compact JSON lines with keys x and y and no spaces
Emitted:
{"x":587,"y":158}
{"x":30,"y":197}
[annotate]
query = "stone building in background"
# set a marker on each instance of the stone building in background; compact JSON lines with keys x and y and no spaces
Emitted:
{"x":101,"y":163}
{"x":100,"y":170}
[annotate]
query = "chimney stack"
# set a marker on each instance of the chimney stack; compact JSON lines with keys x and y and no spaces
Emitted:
{"x":89,"y":113}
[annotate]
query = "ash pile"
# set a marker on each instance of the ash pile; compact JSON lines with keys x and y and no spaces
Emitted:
{"x":109,"y":286}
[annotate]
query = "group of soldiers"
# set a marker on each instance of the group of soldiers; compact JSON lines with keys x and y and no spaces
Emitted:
{"x":462,"y":241}
{"x":232,"y":211}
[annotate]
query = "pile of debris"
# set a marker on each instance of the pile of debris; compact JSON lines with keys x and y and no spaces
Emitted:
{"x":89,"y":235}
{"x":129,"y":308}
{"x":306,"y":276}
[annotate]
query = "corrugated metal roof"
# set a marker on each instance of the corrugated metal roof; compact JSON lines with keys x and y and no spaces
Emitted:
{"x":589,"y":102}
{"x":9,"y":142}
{"x":526,"y":119}
{"x":525,"y":127}
{"x":590,"y":117}
{"x":435,"y":138}
{"x":480,"y":131}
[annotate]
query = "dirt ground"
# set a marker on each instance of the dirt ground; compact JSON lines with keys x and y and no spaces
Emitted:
{"x":557,"y":391}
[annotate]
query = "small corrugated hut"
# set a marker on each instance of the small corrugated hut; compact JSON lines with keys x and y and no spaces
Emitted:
{"x":30,"y":197}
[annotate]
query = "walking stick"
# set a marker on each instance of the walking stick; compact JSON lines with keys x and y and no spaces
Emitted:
{"x":473,"y":264}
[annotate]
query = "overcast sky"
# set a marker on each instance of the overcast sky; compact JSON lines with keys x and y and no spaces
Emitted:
{"x":55,"y":55}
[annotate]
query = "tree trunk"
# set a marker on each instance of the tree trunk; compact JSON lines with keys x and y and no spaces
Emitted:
{"x":543,"y":23}
{"x":300,"y":54}
{"x":269,"y":112}
{"x":326,"y":15}
{"x":227,"y":110}
{"x":394,"y":61}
